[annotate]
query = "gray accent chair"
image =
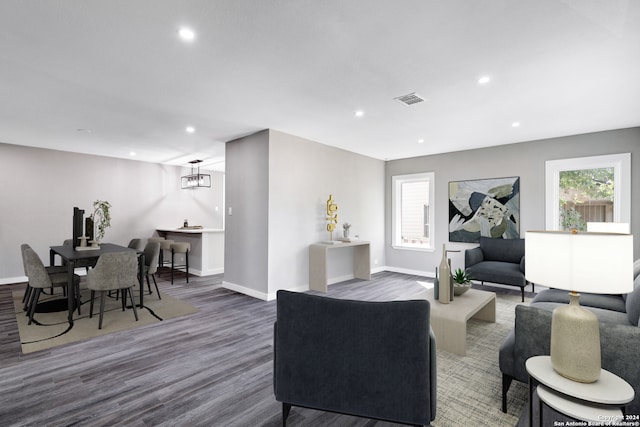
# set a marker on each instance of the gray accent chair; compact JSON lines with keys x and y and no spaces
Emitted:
{"x":498,"y":261}
{"x":619,"y":316}
{"x":151,"y":259}
{"x":40,"y":278}
{"x":117,"y":271}
{"x":368,"y":359}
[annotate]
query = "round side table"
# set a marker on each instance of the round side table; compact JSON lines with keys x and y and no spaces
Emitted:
{"x":603,"y":400}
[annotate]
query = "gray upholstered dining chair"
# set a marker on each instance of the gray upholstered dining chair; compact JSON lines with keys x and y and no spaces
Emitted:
{"x":115,"y":271}
{"x":151,"y":257}
{"x":40,"y":278}
{"x":29,"y":289}
{"x":136,"y":244}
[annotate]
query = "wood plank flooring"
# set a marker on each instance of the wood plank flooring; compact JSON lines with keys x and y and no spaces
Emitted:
{"x":213,"y":368}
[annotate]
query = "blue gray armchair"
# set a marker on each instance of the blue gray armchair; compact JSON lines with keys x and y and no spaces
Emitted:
{"x":498,"y":261}
{"x":369,"y":359}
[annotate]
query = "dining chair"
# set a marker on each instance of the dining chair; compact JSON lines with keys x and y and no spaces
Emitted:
{"x":180,"y":248}
{"x":136,"y":244}
{"x":151,"y":257}
{"x":29,"y":289}
{"x":40,"y":278}
{"x":79,"y":264}
{"x":113,"y":271}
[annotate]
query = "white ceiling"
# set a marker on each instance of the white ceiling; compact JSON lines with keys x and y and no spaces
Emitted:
{"x":108,"y":77}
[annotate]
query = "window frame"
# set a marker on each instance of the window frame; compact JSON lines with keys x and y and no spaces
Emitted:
{"x":621,"y":164}
{"x":396,"y":194}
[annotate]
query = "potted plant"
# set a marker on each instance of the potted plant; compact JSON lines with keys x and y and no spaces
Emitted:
{"x":101,"y":219}
{"x":461,"y":281}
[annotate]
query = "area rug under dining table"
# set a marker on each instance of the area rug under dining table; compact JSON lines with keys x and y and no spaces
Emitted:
{"x":51,"y":329}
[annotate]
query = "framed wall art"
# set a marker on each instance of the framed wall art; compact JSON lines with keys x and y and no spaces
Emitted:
{"x":484,"y":207}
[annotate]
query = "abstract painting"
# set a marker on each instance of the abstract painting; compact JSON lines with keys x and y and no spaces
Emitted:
{"x":484,"y":207}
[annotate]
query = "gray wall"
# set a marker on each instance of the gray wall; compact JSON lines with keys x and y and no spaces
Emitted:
{"x":288,"y":204}
{"x":247,"y":228}
{"x":526,"y":160}
{"x":40,"y":188}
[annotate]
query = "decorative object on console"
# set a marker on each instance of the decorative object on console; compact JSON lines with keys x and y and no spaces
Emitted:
{"x":332,"y":217}
{"x":444,"y":291}
{"x":196,"y":179}
{"x":461,"y":282}
{"x":346,"y":228}
{"x":484,"y":207}
{"x":594,"y":263}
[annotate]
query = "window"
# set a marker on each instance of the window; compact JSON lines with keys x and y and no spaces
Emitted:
{"x":412,"y":214}
{"x":588,"y":189}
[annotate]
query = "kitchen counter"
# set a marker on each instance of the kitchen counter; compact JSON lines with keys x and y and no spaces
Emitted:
{"x":207,"y":248}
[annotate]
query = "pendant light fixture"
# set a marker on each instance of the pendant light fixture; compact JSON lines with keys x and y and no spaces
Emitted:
{"x":196,"y":179}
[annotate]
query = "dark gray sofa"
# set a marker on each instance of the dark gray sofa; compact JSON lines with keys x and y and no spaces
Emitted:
{"x":368,"y":359}
{"x":498,"y":261}
{"x":619,"y":335}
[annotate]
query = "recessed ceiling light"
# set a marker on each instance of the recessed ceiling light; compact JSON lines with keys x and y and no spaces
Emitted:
{"x":186,"y":34}
{"x":84,"y":130}
{"x":515,"y":124}
{"x":484,"y":80}
{"x":359,"y":113}
{"x":190,"y":129}
{"x":421,"y":141}
{"x":132,"y":153}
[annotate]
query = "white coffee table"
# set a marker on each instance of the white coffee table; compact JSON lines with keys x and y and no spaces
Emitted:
{"x":600,"y":401}
{"x":449,"y":321}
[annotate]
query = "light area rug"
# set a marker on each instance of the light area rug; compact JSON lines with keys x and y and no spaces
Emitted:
{"x":52,"y":329}
{"x":470,"y":387}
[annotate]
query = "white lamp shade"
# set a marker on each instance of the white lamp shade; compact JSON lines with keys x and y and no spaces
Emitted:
{"x":600,"y":263}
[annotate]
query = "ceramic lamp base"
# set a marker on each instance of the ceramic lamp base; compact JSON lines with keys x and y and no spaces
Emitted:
{"x":575,"y":342}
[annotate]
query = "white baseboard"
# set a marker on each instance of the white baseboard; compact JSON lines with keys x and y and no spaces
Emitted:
{"x":273,"y":295}
{"x":13,"y":280}
{"x":409,"y":271}
{"x":244,"y":290}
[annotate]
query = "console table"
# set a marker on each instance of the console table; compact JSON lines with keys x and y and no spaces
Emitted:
{"x":318,"y":268}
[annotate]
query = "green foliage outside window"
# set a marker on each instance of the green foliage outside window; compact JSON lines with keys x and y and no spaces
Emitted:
{"x":580,"y":186}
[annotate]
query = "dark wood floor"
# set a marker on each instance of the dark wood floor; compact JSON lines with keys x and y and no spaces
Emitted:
{"x":213,"y":368}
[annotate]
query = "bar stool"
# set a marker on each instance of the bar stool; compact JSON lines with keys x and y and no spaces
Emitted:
{"x":165,"y":245}
{"x":180,"y":248}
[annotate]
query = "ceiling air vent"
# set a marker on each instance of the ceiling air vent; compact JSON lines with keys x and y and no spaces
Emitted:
{"x":410,"y":99}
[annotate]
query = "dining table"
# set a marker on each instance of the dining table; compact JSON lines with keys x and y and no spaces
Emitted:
{"x":88,"y":257}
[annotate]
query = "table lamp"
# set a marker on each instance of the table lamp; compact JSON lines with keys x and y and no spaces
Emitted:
{"x":600,"y":263}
